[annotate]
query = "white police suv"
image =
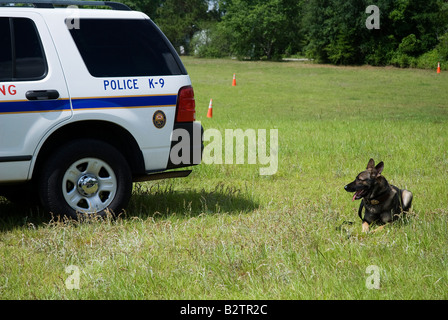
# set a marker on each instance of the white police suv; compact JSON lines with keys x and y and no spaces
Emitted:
{"x":90,"y":101}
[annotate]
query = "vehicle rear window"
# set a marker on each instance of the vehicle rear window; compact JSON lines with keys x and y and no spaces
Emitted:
{"x":124,"y":47}
{"x":21,"y":53}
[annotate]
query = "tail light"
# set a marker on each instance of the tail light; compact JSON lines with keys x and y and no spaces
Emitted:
{"x":186,"y":106}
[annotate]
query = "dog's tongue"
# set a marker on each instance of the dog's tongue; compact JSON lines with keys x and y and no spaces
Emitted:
{"x":356,"y":194}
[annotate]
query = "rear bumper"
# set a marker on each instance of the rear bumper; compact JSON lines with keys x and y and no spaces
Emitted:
{"x":185,"y":151}
{"x":187,"y":145}
{"x":162,"y":175}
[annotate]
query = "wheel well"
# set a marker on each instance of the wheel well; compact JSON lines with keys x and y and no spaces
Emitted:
{"x":105,"y":131}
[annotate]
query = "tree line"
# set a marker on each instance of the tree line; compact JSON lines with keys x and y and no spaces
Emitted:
{"x":405,"y":32}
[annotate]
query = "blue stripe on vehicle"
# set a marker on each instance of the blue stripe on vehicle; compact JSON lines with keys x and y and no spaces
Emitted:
{"x":25,"y":106}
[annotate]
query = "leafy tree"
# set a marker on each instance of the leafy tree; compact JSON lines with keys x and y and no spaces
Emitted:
{"x":211,"y":42}
{"x":146,"y":6}
{"x":180,"y":19}
{"x":336,"y":32}
{"x":260,"y":28}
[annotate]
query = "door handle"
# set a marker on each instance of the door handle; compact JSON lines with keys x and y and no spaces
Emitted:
{"x":42,"y":95}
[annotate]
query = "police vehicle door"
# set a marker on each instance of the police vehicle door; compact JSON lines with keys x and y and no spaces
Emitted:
{"x":33,"y":92}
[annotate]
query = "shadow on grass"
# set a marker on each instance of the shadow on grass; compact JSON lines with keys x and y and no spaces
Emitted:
{"x":156,"y":201}
{"x":14,"y":215}
{"x":162,"y":201}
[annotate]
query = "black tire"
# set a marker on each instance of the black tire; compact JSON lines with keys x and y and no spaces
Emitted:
{"x":85,"y":177}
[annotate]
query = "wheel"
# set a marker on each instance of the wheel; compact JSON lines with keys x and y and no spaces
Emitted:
{"x":85,"y":177}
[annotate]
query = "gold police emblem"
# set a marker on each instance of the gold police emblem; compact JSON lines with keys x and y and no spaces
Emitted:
{"x":159,"y":119}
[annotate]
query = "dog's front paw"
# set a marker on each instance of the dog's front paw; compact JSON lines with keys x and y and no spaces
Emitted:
{"x":365,"y":227}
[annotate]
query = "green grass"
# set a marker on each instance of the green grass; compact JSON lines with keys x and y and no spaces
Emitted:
{"x":226,"y":232}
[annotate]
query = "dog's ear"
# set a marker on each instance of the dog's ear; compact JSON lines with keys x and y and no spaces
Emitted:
{"x":379,"y":168}
{"x":371,"y":164}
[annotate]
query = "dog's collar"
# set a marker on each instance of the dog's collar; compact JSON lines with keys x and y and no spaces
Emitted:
{"x":378,"y":200}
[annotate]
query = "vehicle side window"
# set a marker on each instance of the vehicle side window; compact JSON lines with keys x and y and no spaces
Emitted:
{"x":5,"y":50}
{"x":21,"y":53}
{"x":124,"y":47}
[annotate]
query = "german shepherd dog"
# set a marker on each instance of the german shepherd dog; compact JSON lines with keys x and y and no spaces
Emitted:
{"x":382,"y":201}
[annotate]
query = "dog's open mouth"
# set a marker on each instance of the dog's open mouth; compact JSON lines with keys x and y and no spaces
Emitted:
{"x":359,"y":194}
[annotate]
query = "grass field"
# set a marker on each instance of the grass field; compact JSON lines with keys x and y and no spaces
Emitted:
{"x":227,"y":232}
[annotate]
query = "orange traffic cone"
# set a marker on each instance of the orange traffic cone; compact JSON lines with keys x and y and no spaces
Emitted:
{"x":438,"y":67}
{"x":234,"y":81}
{"x":210,"y":109}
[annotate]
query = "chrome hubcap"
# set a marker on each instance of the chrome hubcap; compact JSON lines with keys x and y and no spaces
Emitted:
{"x":89,"y":185}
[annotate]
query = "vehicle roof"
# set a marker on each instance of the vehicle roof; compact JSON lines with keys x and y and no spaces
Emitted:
{"x":52,"y":3}
{"x":77,"y":13}
{"x":45,"y":8}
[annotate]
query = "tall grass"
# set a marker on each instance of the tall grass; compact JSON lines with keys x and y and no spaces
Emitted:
{"x":226,"y":232}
